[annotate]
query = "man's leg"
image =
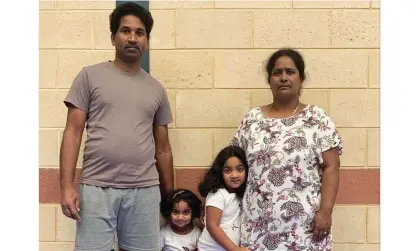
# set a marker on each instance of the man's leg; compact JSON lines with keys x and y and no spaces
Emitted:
{"x":98,"y":212}
{"x":139,"y":219}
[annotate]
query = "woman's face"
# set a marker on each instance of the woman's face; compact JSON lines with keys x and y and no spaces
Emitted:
{"x":285,"y":78}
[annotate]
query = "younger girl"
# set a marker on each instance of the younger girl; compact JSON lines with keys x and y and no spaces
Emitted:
{"x":223,"y":187}
{"x":180,"y":207}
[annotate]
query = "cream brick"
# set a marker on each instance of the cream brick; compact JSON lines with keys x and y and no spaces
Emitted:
{"x":163,"y":33}
{"x":101,"y":30}
{"x":240,"y":69}
{"x":48,"y":148}
{"x":172,"y":99}
{"x":374,"y":69}
{"x":354,"y":146}
{"x":70,"y":64}
{"x":316,"y":97}
{"x":65,"y":30}
{"x":356,"y":247}
{"x":211,"y":108}
{"x":46,"y":5}
{"x":355,"y":108}
{"x":355,"y":29}
{"x":55,"y":246}
{"x":373,"y":147}
{"x":375,"y":4}
{"x":181,"y":4}
{"x":48,"y":66}
{"x":331,"y":4}
{"x":336,"y":68}
{"x":309,"y":96}
{"x":222,"y":138}
{"x":349,"y":224}
{"x":86,"y":5}
{"x":183,"y":69}
{"x":82,"y":145}
{"x":238,"y":4}
{"x":260,"y":97}
{"x":46,"y":223}
{"x":66,"y":227}
{"x":296,"y":28}
{"x":373,"y":225}
{"x":52,"y":111}
{"x":213,"y":29}
{"x":191,"y":147}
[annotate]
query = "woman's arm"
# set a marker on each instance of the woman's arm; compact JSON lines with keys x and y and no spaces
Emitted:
{"x":330,"y":182}
{"x":330,"y":179}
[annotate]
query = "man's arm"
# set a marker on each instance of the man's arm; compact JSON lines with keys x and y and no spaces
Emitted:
{"x":164,"y":158}
{"x":70,"y":147}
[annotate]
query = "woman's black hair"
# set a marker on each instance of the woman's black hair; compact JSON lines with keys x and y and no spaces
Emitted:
{"x":133,"y":9}
{"x":213,"y":179}
{"x":175,"y":196}
{"x":287,"y":52}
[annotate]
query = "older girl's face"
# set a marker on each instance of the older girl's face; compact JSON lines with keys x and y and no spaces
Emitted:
{"x":285,"y":79}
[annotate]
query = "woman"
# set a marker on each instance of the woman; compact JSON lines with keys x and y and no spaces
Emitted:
{"x":293,"y":155}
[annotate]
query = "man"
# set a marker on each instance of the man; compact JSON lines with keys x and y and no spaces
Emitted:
{"x":127,"y":158}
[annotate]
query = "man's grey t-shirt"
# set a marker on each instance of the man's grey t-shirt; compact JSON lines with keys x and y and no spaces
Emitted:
{"x":121,"y":110}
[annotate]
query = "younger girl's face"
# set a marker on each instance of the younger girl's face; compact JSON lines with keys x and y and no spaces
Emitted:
{"x":181,"y":215}
{"x":233,"y":173}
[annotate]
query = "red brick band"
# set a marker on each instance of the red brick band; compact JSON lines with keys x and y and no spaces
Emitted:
{"x":357,"y":186}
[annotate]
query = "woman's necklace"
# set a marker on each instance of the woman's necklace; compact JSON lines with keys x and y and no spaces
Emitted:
{"x":294,"y":111}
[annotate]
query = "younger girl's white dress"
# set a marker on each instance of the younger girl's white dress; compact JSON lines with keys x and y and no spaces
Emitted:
{"x":171,"y":241}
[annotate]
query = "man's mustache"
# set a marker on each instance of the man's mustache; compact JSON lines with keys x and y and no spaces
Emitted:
{"x":128,"y":46}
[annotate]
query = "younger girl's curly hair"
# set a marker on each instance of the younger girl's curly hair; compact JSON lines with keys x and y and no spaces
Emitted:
{"x":175,"y":196}
{"x":213,"y":179}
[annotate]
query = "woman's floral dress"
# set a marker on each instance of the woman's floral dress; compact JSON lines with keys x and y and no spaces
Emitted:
{"x":284,"y":181}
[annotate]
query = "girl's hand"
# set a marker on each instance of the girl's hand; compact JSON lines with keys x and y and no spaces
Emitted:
{"x":240,"y":249}
{"x":199,"y":223}
{"x":321,"y":225}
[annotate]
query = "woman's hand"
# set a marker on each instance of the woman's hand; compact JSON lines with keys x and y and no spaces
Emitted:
{"x":321,"y":225}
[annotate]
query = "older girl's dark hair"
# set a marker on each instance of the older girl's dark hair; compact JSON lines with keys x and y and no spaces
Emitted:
{"x":131,"y":8}
{"x":213,"y":179}
{"x":175,"y":196}
{"x":287,"y":52}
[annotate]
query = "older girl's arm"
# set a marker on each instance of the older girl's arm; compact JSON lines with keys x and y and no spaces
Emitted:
{"x":213,"y":221}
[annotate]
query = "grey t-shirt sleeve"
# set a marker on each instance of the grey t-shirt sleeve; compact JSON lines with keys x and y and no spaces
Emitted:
{"x":79,"y":93}
{"x":163,"y":115}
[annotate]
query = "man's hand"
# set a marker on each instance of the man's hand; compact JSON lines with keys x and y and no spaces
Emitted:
{"x":70,"y":202}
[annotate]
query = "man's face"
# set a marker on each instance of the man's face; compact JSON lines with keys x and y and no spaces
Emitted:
{"x":130,"y":40}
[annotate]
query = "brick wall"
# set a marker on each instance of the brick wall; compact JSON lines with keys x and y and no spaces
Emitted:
{"x":213,"y":73}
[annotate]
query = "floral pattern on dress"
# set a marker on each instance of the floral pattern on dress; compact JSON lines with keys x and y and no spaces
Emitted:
{"x":284,"y":180}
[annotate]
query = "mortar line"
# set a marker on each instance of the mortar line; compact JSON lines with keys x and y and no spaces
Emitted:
{"x":366,"y":155}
